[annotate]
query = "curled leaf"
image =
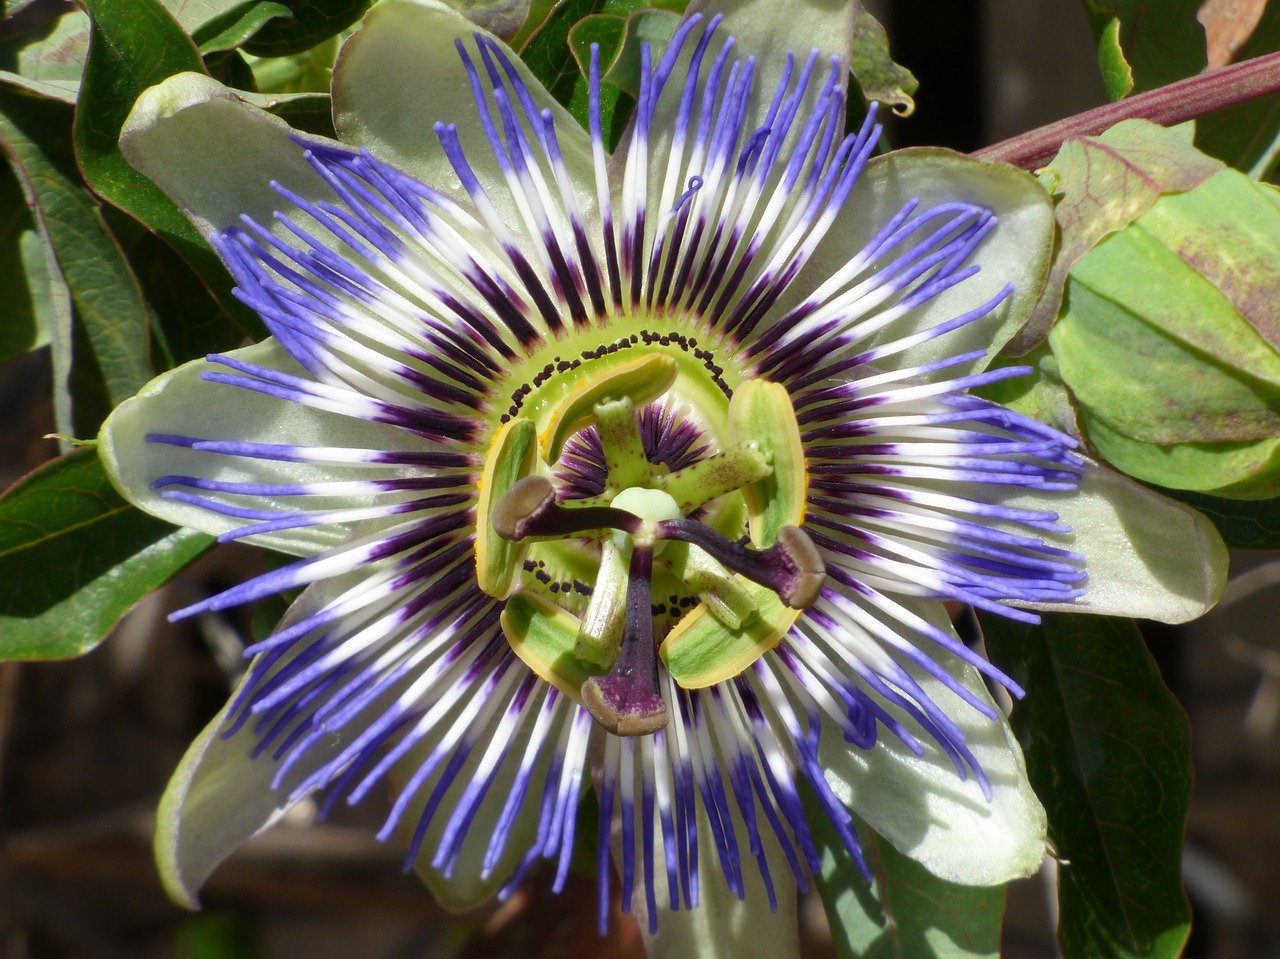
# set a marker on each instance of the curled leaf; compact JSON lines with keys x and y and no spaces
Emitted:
{"x":880,"y":78}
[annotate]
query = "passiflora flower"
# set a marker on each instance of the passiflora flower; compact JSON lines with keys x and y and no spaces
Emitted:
{"x":645,"y":473}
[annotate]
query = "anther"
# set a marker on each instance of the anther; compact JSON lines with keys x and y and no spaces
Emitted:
{"x":529,"y":508}
{"x":523,"y":504}
{"x":792,"y":567}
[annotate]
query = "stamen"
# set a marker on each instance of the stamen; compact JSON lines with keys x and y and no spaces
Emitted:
{"x":725,"y":596}
{"x":791,"y":567}
{"x":627,"y":701}
{"x":529,"y":508}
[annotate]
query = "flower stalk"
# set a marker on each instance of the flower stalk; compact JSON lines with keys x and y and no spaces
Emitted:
{"x":1173,"y":103}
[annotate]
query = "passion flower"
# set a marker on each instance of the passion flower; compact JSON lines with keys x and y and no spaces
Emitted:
{"x":649,"y":472}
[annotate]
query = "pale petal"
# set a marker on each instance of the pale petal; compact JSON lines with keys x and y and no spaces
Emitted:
{"x":922,"y":806}
{"x":724,"y":926}
{"x":181,"y":403}
{"x":467,"y":884}
{"x":401,"y":74}
{"x":1016,"y":252}
{"x":1147,"y":556}
{"x":216,"y":155}
{"x":219,"y":796}
{"x":222,"y":794}
{"x":769,"y":30}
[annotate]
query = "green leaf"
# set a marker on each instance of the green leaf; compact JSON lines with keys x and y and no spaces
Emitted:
{"x":879,"y":77}
{"x":1102,"y":184}
{"x":607,"y":31}
{"x":236,"y":26}
{"x":1107,"y":749}
{"x":1247,"y":136}
{"x":1040,"y":394}
{"x":49,"y":59}
{"x":1117,"y":76}
{"x":26,"y":325}
{"x":313,"y":21}
{"x":539,"y":10}
{"x":1169,"y":341}
{"x":75,"y":557}
{"x":103,"y":356}
{"x":907,"y":911}
{"x":135,"y":45}
{"x":309,"y":72}
{"x":558,"y":52}
{"x":550,"y":58}
{"x":1244,"y":524}
{"x":621,"y":39}
{"x":1141,"y":48}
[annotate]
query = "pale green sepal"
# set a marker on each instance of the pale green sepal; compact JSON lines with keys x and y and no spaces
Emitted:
{"x":467,"y":885}
{"x":216,"y":800}
{"x":220,"y":796}
{"x":765,"y":29}
{"x":723,"y":926}
{"x":216,"y":155}
{"x":401,"y":73}
{"x":181,"y":403}
{"x":1016,"y":252}
{"x":1146,"y":556}
{"x":769,"y":30}
{"x":922,"y":806}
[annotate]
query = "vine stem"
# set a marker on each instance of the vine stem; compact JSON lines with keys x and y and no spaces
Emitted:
{"x":1174,"y":103}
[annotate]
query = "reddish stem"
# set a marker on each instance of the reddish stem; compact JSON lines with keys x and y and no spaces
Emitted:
{"x":1183,"y":100}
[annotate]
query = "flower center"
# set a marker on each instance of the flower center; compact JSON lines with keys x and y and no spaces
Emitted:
{"x":634,"y":476}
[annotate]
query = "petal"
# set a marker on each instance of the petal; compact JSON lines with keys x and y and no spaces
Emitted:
{"x":216,"y":155}
{"x":1147,"y":556}
{"x":472,"y":872}
{"x":401,"y":74}
{"x":769,"y":30}
{"x":220,"y":796}
{"x":182,"y":404}
{"x":926,"y":810}
{"x":1016,"y":252}
{"x":723,"y":926}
